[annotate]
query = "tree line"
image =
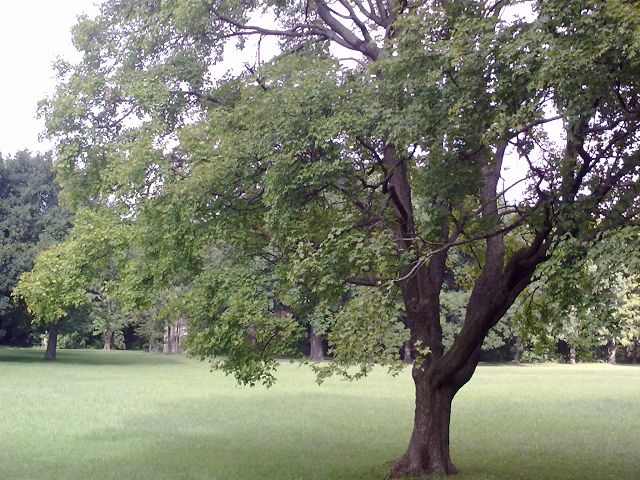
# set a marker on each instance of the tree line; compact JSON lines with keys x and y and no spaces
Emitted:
{"x":596,"y":320}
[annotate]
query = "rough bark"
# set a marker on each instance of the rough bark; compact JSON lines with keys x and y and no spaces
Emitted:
{"x":52,"y":342}
{"x":316,"y":352}
{"x":612,"y":350}
{"x":428,"y":450}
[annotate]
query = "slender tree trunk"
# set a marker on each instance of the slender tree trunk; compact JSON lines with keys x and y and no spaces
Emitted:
{"x":175,"y":339}
{"x":108,"y":341}
{"x":518,"y":351}
{"x":635,"y":353}
{"x":572,"y":355}
{"x":612,"y":350}
{"x":316,"y":352}
{"x":406,"y":352}
{"x":166,"y":348}
{"x":52,"y":342}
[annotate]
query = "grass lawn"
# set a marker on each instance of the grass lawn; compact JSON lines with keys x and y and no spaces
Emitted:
{"x":129,"y":415}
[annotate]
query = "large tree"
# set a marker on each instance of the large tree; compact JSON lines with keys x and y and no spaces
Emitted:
{"x":337,"y":185}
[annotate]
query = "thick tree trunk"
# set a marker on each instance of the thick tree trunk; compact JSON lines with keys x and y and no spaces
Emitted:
{"x":428,"y":450}
{"x":612,"y":350}
{"x":108,"y":340}
{"x":52,"y":342}
{"x":316,"y":352}
{"x":518,"y":351}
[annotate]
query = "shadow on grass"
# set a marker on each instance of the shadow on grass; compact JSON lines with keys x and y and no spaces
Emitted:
{"x":198,"y":440}
{"x":193,"y":441}
{"x":85,"y":357}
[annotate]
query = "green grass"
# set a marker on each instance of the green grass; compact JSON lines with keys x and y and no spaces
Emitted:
{"x":128,"y":415}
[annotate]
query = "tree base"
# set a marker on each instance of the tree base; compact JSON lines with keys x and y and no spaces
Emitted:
{"x":404,"y":467}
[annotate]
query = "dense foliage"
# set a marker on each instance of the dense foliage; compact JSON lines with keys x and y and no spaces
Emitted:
{"x":314,"y":190}
{"x":30,"y":220}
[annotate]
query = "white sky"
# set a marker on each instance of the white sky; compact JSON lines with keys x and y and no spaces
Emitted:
{"x":33,"y":33}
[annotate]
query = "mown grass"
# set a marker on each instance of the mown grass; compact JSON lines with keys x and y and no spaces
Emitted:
{"x":129,"y":415}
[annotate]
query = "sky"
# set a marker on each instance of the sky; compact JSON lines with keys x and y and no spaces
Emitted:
{"x":33,"y":33}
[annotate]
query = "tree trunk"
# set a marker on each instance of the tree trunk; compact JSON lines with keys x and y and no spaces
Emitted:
{"x":612,"y":350}
{"x":52,"y":342}
{"x":175,"y":338}
{"x":428,"y":450}
{"x":166,"y":347}
{"x":440,"y":374}
{"x":406,"y":352}
{"x":316,"y":352}
{"x":108,"y":340}
{"x":635,"y":353}
{"x":572,"y":355}
{"x":518,"y":348}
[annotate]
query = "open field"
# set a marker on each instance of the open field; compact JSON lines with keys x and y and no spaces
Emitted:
{"x":128,"y":415}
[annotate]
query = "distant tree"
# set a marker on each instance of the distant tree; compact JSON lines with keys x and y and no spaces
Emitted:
{"x":107,"y":319}
{"x":30,"y":220}
{"x":63,"y":275}
{"x":629,"y":311}
{"x":586,"y":297}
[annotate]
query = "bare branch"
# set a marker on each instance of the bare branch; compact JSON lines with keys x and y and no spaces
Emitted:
{"x":359,"y":23}
{"x":342,"y":35}
{"x":370,"y":13}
